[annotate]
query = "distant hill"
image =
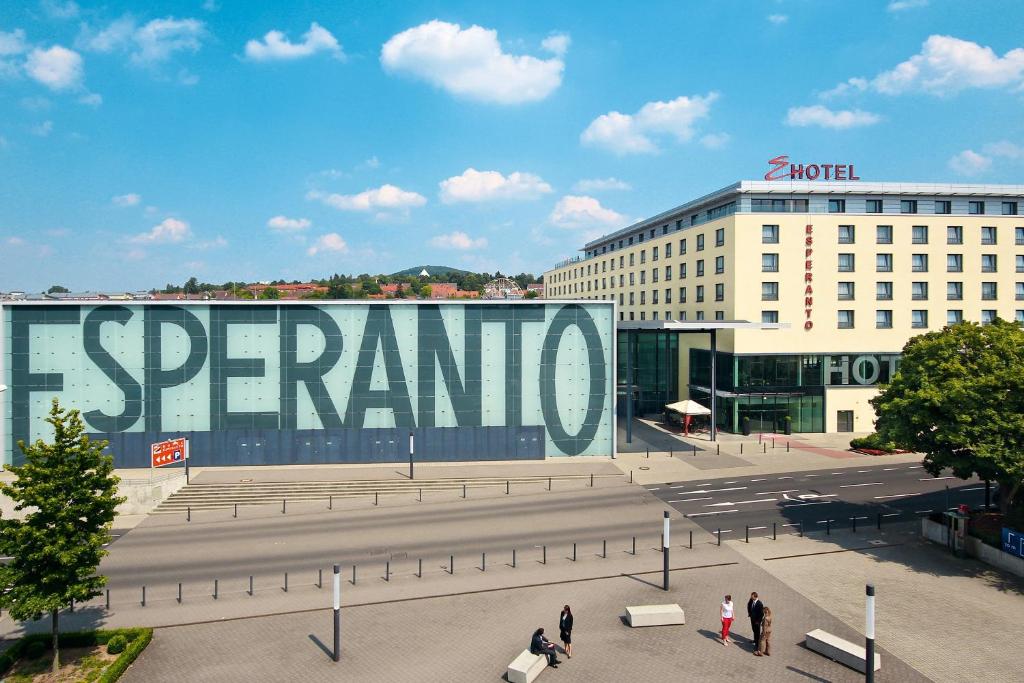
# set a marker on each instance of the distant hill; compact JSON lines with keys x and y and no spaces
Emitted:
{"x":433,"y":270}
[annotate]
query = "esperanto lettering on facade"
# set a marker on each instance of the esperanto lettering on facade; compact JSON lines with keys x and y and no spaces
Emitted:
{"x":170,"y":368}
{"x":781,"y":169}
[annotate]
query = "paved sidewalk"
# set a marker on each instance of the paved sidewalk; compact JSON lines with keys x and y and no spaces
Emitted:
{"x":952,"y":619}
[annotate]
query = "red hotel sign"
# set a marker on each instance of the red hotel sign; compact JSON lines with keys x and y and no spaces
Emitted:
{"x":781,"y":169}
{"x":808,"y":275}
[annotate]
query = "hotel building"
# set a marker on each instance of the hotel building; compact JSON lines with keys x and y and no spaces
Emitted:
{"x":850,"y":271}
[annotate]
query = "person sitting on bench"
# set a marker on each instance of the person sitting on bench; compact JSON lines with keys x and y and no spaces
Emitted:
{"x":539,"y":645}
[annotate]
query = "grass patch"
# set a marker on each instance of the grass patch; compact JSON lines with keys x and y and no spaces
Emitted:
{"x":84,"y":656}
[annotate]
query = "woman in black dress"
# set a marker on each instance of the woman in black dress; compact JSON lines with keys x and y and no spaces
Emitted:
{"x":565,"y":630}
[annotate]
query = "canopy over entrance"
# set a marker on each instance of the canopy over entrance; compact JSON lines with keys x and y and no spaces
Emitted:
{"x":688,"y":407}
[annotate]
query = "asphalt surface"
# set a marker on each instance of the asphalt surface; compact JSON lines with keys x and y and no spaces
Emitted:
{"x":818,"y":499}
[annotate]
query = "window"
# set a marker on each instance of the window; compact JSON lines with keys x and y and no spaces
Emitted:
{"x":1020,"y":263}
{"x":668,"y":250}
{"x":652,"y":233}
{"x":722,"y":210}
{"x":846,"y":263}
{"x":700,"y":267}
{"x":1009,"y":208}
{"x":1018,"y":236}
{"x":668,"y":273}
{"x":919,"y":263}
{"x":620,"y":281}
{"x":954,"y":234}
{"x":682,"y":295}
{"x":989,"y":291}
{"x":954,"y":291}
{"x":694,"y":219}
{"x":620,"y":262}
{"x":908,"y":206}
{"x":988,"y":235}
{"x":640,"y":237}
{"x":632,"y":261}
{"x":919,"y":291}
{"x":1018,"y":316}
{"x":668,"y":315}
{"x":954,"y":263}
{"x":654,"y":296}
{"x":643,"y":256}
{"x":975,"y":208}
{"x":837,"y":206}
{"x":700,"y":315}
{"x":643,"y":297}
{"x":632,"y":299}
{"x":954,"y":316}
{"x":631,"y":239}
{"x":846,"y":291}
{"x":682,"y":271}
{"x":845,"y":320}
{"x":988,"y":315}
{"x":883,"y":234}
{"x":719,"y":264}
{"x":919,"y":234}
{"x":719,"y":315}
{"x":883,"y":319}
{"x":943,"y":206}
{"x":700,"y":294}
{"x":700,"y":242}
{"x":643,"y":277}
{"x":883,"y":291}
{"x":720,"y":237}
{"x":846,"y":234}
{"x":874,"y":206}
{"x":682,"y":315}
{"x":632,"y":281}
{"x":778,"y":205}
{"x":664,"y":229}
{"x":679,"y":224}
{"x":668,"y":300}
{"x":720,"y":292}
{"x":654,"y":316}
{"x":919,"y":318}
{"x":770,"y":234}
{"x":769,"y":316}
{"x":643,"y":314}
{"x":631,"y":315}
{"x":770,"y":291}
{"x":769,"y":263}
{"x":883,"y":263}
{"x":1019,"y":291}
{"x":654,"y":274}
{"x":682,"y":246}
{"x":654,"y":254}
{"x":988,"y":263}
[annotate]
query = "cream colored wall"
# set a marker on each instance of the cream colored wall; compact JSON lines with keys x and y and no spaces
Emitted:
{"x":850,"y":398}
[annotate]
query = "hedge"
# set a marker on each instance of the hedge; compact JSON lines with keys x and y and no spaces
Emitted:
{"x":138,"y":639}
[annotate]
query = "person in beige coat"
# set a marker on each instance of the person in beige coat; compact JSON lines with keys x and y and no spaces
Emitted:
{"x":764,"y":644}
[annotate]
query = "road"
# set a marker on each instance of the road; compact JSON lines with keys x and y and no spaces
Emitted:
{"x":899,"y":493}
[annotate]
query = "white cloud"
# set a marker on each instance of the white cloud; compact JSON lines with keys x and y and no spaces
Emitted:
{"x":117,"y":35}
{"x":847,"y":87}
{"x":715,"y":140}
{"x":211,"y":5}
{"x":557,"y":44}
{"x":16,"y":241}
{"x":91,"y":99}
{"x":12,"y":42}
{"x":3,"y":142}
{"x":458,"y":240}
{"x":577,"y":211}
{"x":42,"y":129}
{"x":1005,"y":149}
{"x":471,"y":63}
{"x":901,"y":5}
{"x":169,"y":230}
{"x":58,"y":68}
{"x":285,"y":224}
{"x":124,"y":200}
{"x":60,"y":10}
{"x":969,"y":162}
{"x":818,"y":115}
{"x":946,"y":65}
{"x":601,"y":185}
{"x":276,"y":46}
{"x":632,"y":133}
{"x":386,"y":197}
{"x":152,"y":43}
{"x":331,"y":242}
{"x":217,"y":242}
{"x":778,"y":19}
{"x":482,"y":186}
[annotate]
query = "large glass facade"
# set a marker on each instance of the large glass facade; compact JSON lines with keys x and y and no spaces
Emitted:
{"x":655,"y":370}
{"x":766,"y":388}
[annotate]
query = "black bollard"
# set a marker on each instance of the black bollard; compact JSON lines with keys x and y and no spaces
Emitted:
{"x":376,"y":497}
{"x":143,"y":596}
{"x":353,"y":575}
{"x":879,"y":521}
{"x":513,"y":558}
{"x":591,"y":481}
{"x":765,"y":446}
{"x":215,"y":588}
{"x":604,"y":549}
{"x":801,"y":528}
{"x":286,"y":582}
{"x":419,"y":571}
{"x":631,"y":476}
{"x":787,"y":447}
{"x":549,"y":483}
{"x":451,"y":564}
{"x":648,"y":453}
{"x":284,"y":506}
{"x":741,"y":448}
{"x":463,"y":490}
{"x":544,"y":558}
{"x":828,"y":527}
{"x":634,"y":545}
{"x":718,"y":449}
{"x":188,"y":513}
{"x":671,"y":452}
{"x":330,"y":502}
{"x":421,"y":495}
{"x":108,"y":599}
{"x":746,"y":533}
{"x":320,"y":578}
{"x":695,"y":450}
{"x":483,"y":562}
{"x":573,"y":552}
{"x":250,"y":584}
{"x":719,"y":536}
{"x":773,"y":443}
{"x":387,"y":570}
{"x":691,"y":539}
{"x":854,"y":520}
{"x":506,"y":487}
{"x":236,"y":510}
{"x":774,"y":536}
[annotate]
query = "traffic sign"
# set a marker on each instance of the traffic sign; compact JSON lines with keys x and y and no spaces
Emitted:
{"x":168,"y":452}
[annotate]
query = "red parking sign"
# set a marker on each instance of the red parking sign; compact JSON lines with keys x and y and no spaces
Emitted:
{"x":168,"y":452}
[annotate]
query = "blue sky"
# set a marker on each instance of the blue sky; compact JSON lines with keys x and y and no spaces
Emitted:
{"x":142,"y":143}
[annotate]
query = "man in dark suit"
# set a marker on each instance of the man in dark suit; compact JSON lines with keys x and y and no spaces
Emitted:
{"x":755,"y":610}
{"x":539,"y":645}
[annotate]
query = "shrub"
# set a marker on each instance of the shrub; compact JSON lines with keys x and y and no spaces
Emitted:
{"x":117,"y":644}
{"x":35,"y":649}
{"x":872,"y":442}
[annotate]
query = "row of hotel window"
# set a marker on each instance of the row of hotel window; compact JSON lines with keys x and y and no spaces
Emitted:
{"x":711,"y":214}
{"x":884,"y":291}
{"x":845,"y":318}
{"x":610,"y":263}
{"x":942,"y":206}
{"x":918,"y":234}
{"x":918,"y":263}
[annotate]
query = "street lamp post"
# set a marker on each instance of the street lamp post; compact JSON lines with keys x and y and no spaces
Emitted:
{"x":412,"y":444}
{"x":869,"y":635}
{"x":664,"y":549}
{"x":337,"y":612}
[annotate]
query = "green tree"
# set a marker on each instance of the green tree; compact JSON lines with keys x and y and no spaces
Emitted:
{"x":270,"y":293}
{"x":531,"y":294}
{"x":191,"y":286}
{"x":958,"y":397}
{"x":57,"y":289}
{"x":69,"y":492}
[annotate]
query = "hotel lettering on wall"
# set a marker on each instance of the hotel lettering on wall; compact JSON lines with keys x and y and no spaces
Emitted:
{"x":866,"y":369}
{"x":782,"y":169}
{"x":808,"y":275}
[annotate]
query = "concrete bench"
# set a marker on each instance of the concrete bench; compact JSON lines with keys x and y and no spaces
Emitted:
{"x":839,"y":650}
{"x":655,"y":615}
{"x":526,"y":667}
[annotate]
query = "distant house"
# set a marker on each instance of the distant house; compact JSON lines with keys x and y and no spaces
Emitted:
{"x":450,"y":290}
{"x":288,"y":291}
{"x":538,"y":287}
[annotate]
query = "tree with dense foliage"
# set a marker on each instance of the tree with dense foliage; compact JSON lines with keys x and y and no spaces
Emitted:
{"x":68,"y":492}
{"x":191,"y":286}
{"x":58,"y":289}
{"x":958,"y":397}
{"x":270,"y":293}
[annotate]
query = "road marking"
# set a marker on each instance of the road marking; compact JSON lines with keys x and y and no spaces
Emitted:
{"x":768,"y":493}
{"x":812,"y":475}
{"x":839,"y":473}
{"x":850,"y":486}
{"x":741,"y":502}
{"x":806,"y":496}
{"x":862,"y":471}
{"x":825,"y":521}
{"x":915,"y":467}
{"x":888,"y":469}
{"x":756,"y":528}
{"x":704,"y":514}
{"x":935,"y":478}
{"x":707,"y":483}
{"x":730,"y":482}
{"x":689,"y":500}
{"x":896,"y":495}
{"x":655,"y":488}
{"x":798,"y":505}
{"x":893,"y":514}
{"x":753,"y":480}
{"x":735,"y":488}
{"x":780,"y":478}
{"x":725,"y":531}
{"x":980,"y":488}
{"x":793,"y":524}
{"x":918,"y":512}
{"x":678,"y":487}
{"x":859,"y":518}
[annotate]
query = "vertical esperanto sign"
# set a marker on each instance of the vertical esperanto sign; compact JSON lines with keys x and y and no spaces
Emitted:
{"x":255,"y":383}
